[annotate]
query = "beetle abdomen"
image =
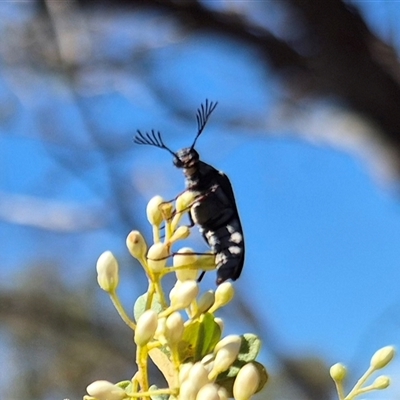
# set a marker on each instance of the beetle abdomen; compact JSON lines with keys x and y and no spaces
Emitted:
{"x":228,"y":244}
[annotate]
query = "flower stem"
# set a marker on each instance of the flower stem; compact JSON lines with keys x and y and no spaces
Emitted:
{"x":160,"y":291}
{"x":358,"y":385}
{"x":141,"y":361}
{"x":340,"y":391}
{"x":118,"y":306}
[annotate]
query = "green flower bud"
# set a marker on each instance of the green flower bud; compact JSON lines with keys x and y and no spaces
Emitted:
{"x":107,"y":272}
{"x":208,"y":392}
{"x":206,"y":262}
{"x":153,"y":210}
{"x":381,"y":382}
{"x":246,"y":382}
{"x":223,"y":295}
{"x":184,"y":201}
{"x":183,"y":293}
{"x":382,"y":357}
{"x":174,"y":328}
{"x":182,"y":205}
{"x":205,"y":302}
{"x":338,"y":372}
{"x":157,"y":257}
{"x":167,"y":209}
{"x":183,"y":258}
{"x":104,"y":390}
{"x":136,"y":245}
{"x":181,"y":233}
{"x":146,"y":327}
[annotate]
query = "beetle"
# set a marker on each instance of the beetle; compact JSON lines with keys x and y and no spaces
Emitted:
{"x":214,"y":209}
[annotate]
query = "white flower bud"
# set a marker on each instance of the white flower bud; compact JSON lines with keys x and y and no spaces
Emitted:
{"x":157,"y":257}
{"x":381,"y":382}
{"x":208,"y":392}
{"x":183,"y":294}
{"x":230,"y":340}
{"x":198,"y":375}
{"x":153,"y":210}
{"x":246,"y":382}
{"x":107,"y":272}
{"x":174,"y":328}
{"x":226,"y":351}
{"x":188,"y":391}
{"x":185,"y":257}
{"x":146,"y":327}
{"x":184,"y":371}
{"x":104,"y":390}
{"x":223,"y":295}
{"x":174,"y":289}
{"x":223,"y":394}
{"x":136,"y":245}
{"x":382,"y":357}
{"x":208,"y":362}
{"x":338,"y":372}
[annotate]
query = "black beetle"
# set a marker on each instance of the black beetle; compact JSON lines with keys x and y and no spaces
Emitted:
{"x":214,"y":209}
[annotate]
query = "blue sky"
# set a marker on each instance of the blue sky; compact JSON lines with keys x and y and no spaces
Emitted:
{"x":322,"y":232}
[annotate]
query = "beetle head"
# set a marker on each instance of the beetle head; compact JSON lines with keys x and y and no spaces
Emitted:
{"x":186,"y":158}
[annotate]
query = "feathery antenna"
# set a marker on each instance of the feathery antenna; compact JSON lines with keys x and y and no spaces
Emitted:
{"x":154,"y":139}
{"x":202,"y":116}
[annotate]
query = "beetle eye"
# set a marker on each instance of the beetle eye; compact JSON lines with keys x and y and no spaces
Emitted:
{"x":178,"y":162}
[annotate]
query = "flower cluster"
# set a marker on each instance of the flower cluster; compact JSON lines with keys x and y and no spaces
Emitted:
{"x":378,"y":361}
{"x":179,"y":333}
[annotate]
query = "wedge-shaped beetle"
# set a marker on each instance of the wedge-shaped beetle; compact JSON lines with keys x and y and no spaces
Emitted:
{"x":214,"y":209}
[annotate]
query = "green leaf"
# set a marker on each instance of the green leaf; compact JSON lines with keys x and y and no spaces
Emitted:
{"x":124,"y":384}
{"x":186,"y":347}
{"x":250,"y":347}
{"x":140,"y":305}
{"x":209,"y":336}
{"x":199,"y":338}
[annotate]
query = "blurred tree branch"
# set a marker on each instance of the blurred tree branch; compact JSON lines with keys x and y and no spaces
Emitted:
{"x":336,"y":55}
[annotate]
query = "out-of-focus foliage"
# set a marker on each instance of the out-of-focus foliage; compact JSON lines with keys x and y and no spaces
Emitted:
{"x":78,"y":77}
